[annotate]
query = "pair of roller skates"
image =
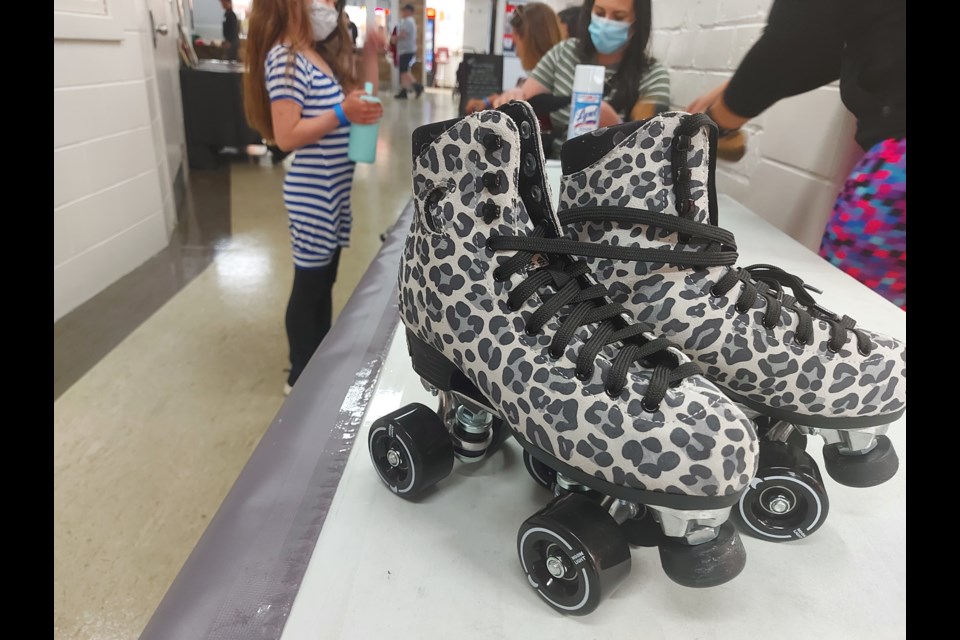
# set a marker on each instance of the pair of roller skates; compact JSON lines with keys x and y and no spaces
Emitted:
{"x":654,"y":387}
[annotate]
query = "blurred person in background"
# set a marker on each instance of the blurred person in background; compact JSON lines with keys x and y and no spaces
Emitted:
{"x":807,"y":44}
{"x":301,"y":92}
{"x":569,"y":21}
{"x":617,"y":33}
{"x":231,"y":29}
{"x":536,"y":29}
{"x":406,"y":42}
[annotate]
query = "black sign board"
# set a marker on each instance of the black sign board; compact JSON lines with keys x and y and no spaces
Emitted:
{"x":479,"y":76}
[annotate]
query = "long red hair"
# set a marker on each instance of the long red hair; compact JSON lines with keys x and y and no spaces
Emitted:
{"x":273,"y":21}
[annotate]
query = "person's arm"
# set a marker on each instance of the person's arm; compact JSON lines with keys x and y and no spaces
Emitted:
{"x":653,"y":94}
{"x":798,"y":51}
{"x":540,"y":80}
{"x":288,"y":93}
{"x":372,"y":47}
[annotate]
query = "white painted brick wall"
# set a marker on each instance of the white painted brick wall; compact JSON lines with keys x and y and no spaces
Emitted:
{"x":112,"y":207}
{"x":798,"y":152}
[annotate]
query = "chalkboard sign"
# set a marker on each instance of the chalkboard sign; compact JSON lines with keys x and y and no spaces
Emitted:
{"x":479,"y":76}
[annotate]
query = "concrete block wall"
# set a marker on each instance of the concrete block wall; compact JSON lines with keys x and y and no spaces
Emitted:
{"x":799,"y":151}
{"x":112,"y":199}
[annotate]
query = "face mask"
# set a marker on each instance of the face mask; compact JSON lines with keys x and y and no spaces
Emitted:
{"x":324,"y":20}
{"x":608,"y":35}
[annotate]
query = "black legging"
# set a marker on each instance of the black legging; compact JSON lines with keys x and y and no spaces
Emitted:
{"x":309,"y":313}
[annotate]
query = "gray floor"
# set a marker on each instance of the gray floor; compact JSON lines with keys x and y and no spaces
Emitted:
{"x":165,"y":382}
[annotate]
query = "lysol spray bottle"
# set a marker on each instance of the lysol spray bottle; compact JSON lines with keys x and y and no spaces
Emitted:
{"x":585,"y":101}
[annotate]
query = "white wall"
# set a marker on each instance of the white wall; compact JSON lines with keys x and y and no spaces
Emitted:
{"x":799,"y":151}
{"x":108,"y":155}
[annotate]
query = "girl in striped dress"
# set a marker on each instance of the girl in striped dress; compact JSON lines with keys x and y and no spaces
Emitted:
{"x":300,"y":92}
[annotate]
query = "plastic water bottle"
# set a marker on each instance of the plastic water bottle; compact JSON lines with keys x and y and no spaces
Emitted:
{"x":586,"y":99}
{"x":363,"y":137}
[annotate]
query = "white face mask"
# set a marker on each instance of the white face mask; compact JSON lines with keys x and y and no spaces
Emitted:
{"x":324,"y":20}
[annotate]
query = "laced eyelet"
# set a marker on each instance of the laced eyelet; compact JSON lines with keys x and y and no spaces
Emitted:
{"x":584,"y":377}
{"x":553,"y":356}
{"x":861,"y":351}
{"x":530,"y":333}
{"x":770,"y":327}
{"x":648,"y":409}
{"x":715,"y":293}
{"x":740,"y":310}
{"x":613,"y":394}
{"x":492,"y":142}
{"x":497,"y":276}
{"x":799,"y":342}
{"x":831,"y":349}
{"x":511,"y":306}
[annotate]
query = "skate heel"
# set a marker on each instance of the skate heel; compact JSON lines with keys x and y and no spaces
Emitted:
{"x":430,"y":364}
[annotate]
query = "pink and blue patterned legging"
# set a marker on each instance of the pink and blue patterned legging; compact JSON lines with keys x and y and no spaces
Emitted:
{"x":866,"y":236}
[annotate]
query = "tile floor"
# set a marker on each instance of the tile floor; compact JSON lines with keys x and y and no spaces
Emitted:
{"x":164,"y":383}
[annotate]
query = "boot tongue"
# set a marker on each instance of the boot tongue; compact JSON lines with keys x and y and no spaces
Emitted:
{"x":661,"y":165}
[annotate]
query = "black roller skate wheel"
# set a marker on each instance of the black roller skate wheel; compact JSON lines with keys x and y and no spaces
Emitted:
{"x":643,"y":530}
{"x":786,"y":499}
{"x":573,"y":553}
{"x":704,"y":565}
{"x":867,"y":470}
{"x":411,"y":450}
{"x":542,"y":474}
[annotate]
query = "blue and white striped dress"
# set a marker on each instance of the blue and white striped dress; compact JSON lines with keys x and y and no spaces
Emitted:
{"x":316,"y":190}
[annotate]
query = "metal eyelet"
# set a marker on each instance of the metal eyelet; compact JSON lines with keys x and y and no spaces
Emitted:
{"x":492,"y":142}
{"x":536,"y":193}
{"x":554,"y":356}
{"x":529,"y":165}
{"x":643,"y":405}
{"x":511,"y":306}
{"x":715,"y":293}
{"x":582,"y":377}
{"x":490,"y":212}
{"x":491,"y":180}
{"x":613,"y":394}
{"x":740,"y":310}
{"x":525,"y":129}
{"x":530,"y":333}
{"x":861,"y":351}
{"x":831,"y":349}
{"x":799,"y":342}
{"x":497,"y":276}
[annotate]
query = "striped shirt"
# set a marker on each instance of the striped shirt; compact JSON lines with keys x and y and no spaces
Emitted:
{"x":316,"y":190}
{"x":556,"y":69}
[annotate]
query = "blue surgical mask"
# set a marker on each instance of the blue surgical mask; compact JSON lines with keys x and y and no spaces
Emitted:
{"x":608,"y":35}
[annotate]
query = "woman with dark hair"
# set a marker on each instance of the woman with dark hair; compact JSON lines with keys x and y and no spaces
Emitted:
{"x":569,"y":22}
{"x":635,"y":85}
{"x":536,"y":30}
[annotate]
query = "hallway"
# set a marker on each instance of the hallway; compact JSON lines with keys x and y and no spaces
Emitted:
{"x":165,"y":382}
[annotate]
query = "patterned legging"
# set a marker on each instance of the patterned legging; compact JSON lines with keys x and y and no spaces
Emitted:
{"x":866,"y":236}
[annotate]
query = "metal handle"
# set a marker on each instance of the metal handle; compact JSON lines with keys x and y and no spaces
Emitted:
{"x":162,"y":29}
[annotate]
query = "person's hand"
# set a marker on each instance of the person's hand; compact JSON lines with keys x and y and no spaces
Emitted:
{"x":474,"y":105}
{"x":374,"y":43}
{"x":507,"y":96}
{"x":701,"y":104}
{"x":608,"y":116}
{"x":361,"y":111}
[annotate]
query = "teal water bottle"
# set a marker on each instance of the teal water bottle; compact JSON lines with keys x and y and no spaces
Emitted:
{"x":363,"y":137}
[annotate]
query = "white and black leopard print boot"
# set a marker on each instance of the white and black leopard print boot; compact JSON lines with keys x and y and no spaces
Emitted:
{"x":639,"y":198}
{"x":515,"y":336}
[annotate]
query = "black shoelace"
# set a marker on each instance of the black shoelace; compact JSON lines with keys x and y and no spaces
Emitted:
{"x":720,"y":249}
{"x":590,"y":306}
